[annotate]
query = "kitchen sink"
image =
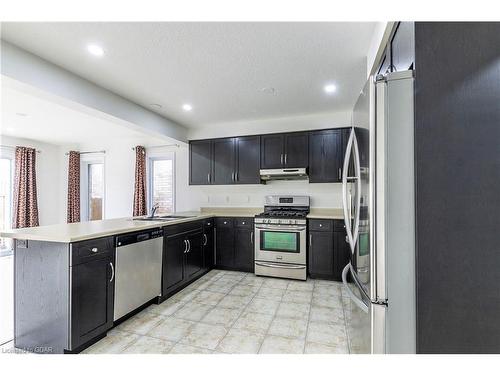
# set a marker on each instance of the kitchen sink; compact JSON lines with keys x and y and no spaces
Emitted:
{"x":162,"y":218}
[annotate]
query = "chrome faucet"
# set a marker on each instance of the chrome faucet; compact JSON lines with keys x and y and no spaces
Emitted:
{"x":153,"y":209}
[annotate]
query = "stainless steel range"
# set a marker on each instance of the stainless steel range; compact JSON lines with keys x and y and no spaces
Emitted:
{"x":280,"y":237}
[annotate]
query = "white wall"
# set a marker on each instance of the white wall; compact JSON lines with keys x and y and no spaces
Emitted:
{"x":273,"y":125}
{"x":49,"y":173}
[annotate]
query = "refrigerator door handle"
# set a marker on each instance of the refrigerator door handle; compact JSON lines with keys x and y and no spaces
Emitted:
{"x":352,"y":145}
{"x":358,"y":301}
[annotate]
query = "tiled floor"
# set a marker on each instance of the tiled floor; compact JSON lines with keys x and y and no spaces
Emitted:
{"x":235,"y":312}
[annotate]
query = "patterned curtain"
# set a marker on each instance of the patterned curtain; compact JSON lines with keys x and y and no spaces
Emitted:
{"x":73,"y":214}
{"x":25,"y":199}
{"x":140,"y":182}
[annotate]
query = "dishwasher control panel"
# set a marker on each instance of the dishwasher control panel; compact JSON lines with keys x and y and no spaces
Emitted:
{"x":145,"y":235}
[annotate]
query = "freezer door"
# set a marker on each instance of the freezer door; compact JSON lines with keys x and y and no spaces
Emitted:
{"x":358,"y":314}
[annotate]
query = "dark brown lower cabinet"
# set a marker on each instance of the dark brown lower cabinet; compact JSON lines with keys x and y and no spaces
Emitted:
{"x":92,"y":299}
{"x":182,"y":255}
{"x":328,"y":253}
{"x":208,"y":244}
{"x":235,"y":243}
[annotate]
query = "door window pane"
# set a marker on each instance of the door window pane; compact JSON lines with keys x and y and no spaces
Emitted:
{"x":5,"y":202}
{"x":162,"y":185}
{"x":96,"y":191}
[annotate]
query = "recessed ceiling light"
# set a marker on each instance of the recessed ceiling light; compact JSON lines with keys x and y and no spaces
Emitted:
{"x":95,"y":50}
{"x":156,"y":106}
{"x":187,"y":107}
{"x":330,"y":88}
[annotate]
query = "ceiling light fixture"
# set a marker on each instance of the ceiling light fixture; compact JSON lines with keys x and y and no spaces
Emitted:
{"x":187,"y":107}
{"x":95,"y":50}
{"x":330,"y":88}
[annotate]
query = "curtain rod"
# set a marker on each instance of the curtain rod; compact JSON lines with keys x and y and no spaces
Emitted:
{"x":89,"y":152}
{"x":170,"y":145}
{"x":14,"y":147}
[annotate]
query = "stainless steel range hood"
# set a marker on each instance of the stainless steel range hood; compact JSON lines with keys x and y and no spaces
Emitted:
{"x":284,"y":174}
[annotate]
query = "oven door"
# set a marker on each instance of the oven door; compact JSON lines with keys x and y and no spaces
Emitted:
{"x":280,"y":243}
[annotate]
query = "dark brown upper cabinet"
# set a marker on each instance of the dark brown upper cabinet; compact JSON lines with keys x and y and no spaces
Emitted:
{"x":225,"y":161}
{"x":284,"y":150}
{"x":200,"y":162}
{"x":326,"y":155}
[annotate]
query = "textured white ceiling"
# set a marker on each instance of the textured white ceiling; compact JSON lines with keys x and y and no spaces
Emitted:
{"x":219,"y":68}
{"x":54,"y":123}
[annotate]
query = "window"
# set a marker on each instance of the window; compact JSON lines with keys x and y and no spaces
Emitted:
{"x":161,"y":184}
{"x":6,"y":188}
{"x":92,"y":189}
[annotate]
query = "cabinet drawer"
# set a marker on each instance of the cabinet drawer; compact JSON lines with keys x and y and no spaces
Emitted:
{"x":91,"y":249}
{"x":243,"y":222}
{"x":224,"y":222}
{"x":338,"y":225}
{"x":321,"y":225}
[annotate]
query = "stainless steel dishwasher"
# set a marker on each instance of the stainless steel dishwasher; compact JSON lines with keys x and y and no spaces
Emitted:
{"x":138,"y":269}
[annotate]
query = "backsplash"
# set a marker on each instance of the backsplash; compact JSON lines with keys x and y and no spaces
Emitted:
{"x":322,"y":195}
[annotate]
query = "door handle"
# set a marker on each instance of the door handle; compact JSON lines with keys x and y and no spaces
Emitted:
{"x":358,"y":301}
{"x":251,"y":238}
{"x":112,"y":272}
{"x":310,"y":239}
{"x":340,"y":174}
{"x":205,"y":239}
{"x":189,"y":245}
{"x":274,"y":265}
{"x":208,"y":177}
{"x":185,"y":246}
{"x":281,"y":158}
{"x":286,"y":157}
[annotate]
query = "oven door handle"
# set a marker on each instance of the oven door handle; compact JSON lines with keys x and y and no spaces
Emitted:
{"x":281,"y":228}
{"x":274,"y":265}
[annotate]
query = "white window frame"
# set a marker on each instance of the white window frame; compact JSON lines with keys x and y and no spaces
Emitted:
{"x":9,"y":154}
{"x":85,"y":160}
{"x":149,"y":176}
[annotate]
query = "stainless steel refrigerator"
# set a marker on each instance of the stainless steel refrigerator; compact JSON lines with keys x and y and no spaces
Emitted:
{"x":378,"y":204}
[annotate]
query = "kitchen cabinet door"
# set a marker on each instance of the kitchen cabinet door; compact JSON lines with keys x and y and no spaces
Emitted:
{"x":224,"y":250}
{"x":200,"y":162}
{"x":194,"y":255}
{"x":271,"y":151}
{"x":174,"y":246}
{"x":248,"y":160}
{"x":321,"y":255}
{"x":244,"y":249}
{"x":223,"y":161}
{"x":92,"y":299}
{"x":208,"y":244}
{"x":326,"y":156}
{"x":296,"y":150}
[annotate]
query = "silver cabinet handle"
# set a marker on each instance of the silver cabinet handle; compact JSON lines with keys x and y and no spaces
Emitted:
{"x":208,"y":177}
{"x":205,"y":239}
{"x":189,"y":246}
{"x":237,"y":176}
{"x":232,"y":176}
{"x":94,"y":250}
{"x":185,"y":246}
{"x":310,"y":239}
{"x":358,"y":301}
{"x":340,"y":174}
{"x":281,"y":158}
{"x":112,"y":271}
{"x":285,"y":157}
{"x":251,"y":237}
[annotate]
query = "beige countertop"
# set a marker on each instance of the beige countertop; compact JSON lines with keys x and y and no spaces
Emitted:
{"x":92,"y":229}
{"x":326,"y":213}
{"x":99,"y":228}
